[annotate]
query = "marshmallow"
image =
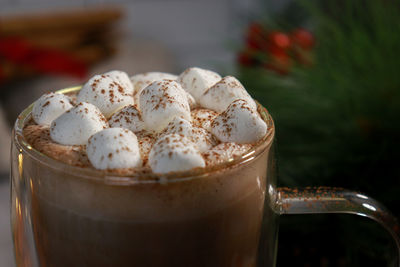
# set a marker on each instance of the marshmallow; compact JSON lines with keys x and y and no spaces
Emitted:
{"x":196,"y":81}
{"x":172,"y":153}
{"x":142,"y":80}
{"x":224,"y":152}
{"x":192,"y":102}
{"x":129,"y":118}
{"x":76,"y":125}
{"x":178,"y":126}
{"x":161,"y":102}
{"x":203,"y":117}
{"x":203,"y":139}
{"x":222,"y":94}
{"x":113,"y":148}
{"x":107,"y":93}
{"x":122,"y":78}
{"x":145,"y":144}
{"x":239,"y":123}
{"x":49,"y":106}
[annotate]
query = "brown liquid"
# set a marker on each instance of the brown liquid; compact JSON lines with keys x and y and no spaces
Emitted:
{"x":214,"y":240}
{"x":206,"y":221}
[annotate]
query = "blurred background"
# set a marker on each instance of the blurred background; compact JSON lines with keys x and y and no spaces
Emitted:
{"x":326,"y":70}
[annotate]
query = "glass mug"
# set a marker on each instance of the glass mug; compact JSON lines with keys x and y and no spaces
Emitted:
{"x":225,"y":215}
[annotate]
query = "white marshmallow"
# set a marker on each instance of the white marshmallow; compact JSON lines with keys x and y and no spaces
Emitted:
{"x":222,"y":94}
{"x":196,"y":81}
{"x":76,"y":125}
{"x":173,"y":153}
{"x":224,"y":152}
{"x":129,"y":118}
{"x":113,"y":148}
{"x":49,"y":106}
{"x":203,"y":117}
{"x":178,"y":126}
{"x":161,"y":102}
{"x":122,"y":77}
{"x":239,"y":123}
{"x":192,"y":102}
{"x":142,"y":80}
{"x":107,"y":93}
{"x":200,"y":137}
{"x":203,"y":139}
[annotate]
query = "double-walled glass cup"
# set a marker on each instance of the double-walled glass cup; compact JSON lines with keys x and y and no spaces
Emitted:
{"x":225,"y":215}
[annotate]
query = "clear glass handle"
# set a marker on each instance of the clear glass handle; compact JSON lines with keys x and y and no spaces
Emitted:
{"x":336,"y":200}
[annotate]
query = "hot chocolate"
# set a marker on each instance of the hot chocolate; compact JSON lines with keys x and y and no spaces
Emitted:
{"x":173,"y":184}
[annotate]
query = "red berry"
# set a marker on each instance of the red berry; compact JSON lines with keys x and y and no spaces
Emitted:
{"x":303,"y":38}
{"x":253,"y":44}
{"x":275,"y":50}
{"x":279,"y":39}
{"x":256,"y":36}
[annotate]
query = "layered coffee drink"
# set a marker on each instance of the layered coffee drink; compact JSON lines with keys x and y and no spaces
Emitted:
{"x":149,"y":170}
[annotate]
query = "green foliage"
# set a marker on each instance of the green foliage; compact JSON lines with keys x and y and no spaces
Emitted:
{"x":338,"y":121}
{"x":340,"y":116}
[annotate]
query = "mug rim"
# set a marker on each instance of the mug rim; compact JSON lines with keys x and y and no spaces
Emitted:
{"x":109,"y":177}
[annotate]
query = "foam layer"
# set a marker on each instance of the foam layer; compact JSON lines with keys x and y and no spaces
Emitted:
{"x":38,"y":136}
